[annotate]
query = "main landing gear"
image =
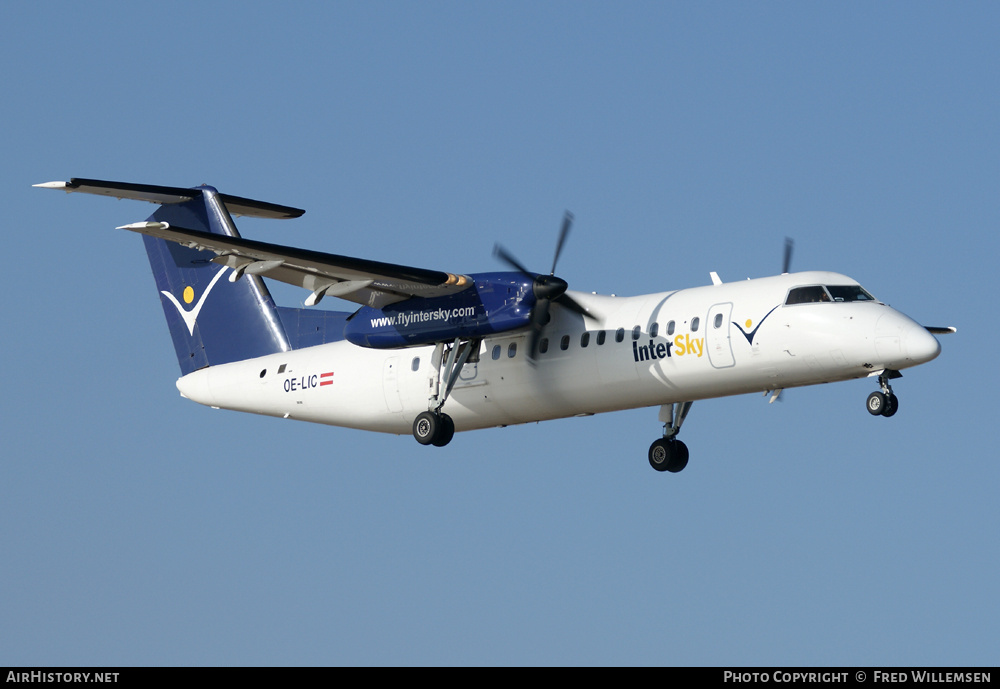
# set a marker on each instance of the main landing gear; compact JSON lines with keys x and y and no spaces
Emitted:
{"x":434,"y":427}
{"x":884,"y":403}
{"x":668,"y":453}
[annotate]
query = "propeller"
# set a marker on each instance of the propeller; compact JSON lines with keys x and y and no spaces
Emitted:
{"x":787,"y":263}
{"x":546,"y":288}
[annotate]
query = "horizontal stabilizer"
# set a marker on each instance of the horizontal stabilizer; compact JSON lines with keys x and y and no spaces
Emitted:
{"x":937,"y":330}
{"x":152,"y":193}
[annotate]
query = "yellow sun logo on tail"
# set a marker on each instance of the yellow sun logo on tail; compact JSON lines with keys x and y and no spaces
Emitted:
{"x":187,"y":295}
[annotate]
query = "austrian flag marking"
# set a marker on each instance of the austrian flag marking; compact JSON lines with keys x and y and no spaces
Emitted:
{"x":308,"y":382}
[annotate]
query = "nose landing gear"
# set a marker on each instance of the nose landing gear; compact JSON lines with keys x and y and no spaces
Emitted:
{"x":884,"y":403}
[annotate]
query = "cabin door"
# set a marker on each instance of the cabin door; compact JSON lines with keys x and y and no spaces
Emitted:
{"x":717,"y":340}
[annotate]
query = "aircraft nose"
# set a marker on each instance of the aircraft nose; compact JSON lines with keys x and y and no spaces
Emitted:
{"x":920,"y":345}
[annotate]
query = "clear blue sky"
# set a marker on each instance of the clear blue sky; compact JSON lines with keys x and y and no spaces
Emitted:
{"x":140,"y":528}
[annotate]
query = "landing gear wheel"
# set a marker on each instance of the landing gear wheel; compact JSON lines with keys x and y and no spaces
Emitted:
{"x":891,"y":405}
{"x":446,"y":432}
{"x":430,"y":428}
{"x":659,"y":454}
{"x":876,"y":404}
{"x":680,"y":458}
{"x":426,"y":427}
{"x":667,"y":454}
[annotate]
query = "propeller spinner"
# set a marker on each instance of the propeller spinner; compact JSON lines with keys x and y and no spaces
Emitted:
{"x":546,"y":288}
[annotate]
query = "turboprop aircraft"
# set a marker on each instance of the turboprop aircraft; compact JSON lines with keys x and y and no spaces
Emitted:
{"x":431,"y":353}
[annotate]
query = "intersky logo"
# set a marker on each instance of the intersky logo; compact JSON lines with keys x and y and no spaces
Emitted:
{"x":653,"y":350}
{"x":685,"y":345}
{"x":190,"y":317}
{"x":750,"y":335}
{"x":682,"y":345}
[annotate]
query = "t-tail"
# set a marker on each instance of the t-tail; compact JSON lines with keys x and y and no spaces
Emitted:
{"x":215,"y":315}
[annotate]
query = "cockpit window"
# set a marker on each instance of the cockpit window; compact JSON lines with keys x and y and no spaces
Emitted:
{"x":849,"y":293}
{"x":814,"y":294}
{"x":807,"y":295}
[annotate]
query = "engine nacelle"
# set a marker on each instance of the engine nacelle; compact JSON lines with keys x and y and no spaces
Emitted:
{"x":495,"y":303}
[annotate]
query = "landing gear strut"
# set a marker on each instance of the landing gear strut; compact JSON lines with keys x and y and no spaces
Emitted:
{"x":668,"y":453}
{"x":884,"y":403}
{"x":434,"y":427}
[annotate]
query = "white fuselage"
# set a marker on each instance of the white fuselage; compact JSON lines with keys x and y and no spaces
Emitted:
{"x":687,"y":345}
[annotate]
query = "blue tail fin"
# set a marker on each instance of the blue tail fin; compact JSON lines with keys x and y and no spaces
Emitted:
{"x":212,"y":320}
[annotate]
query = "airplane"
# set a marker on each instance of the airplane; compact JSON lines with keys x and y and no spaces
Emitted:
{"x":434,"y":353}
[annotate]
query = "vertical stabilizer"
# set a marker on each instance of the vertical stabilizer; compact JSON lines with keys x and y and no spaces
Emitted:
{"x":212,"y":320}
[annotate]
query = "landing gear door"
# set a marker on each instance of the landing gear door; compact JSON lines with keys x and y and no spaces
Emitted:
{"x":717,"y":340}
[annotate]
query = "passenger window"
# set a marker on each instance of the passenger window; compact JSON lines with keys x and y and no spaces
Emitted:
{"x":654,"y":329}
{"x":601,"y":336}
{"x":636,"y":331}
{"x":695,"y":322}
{"x":718,"y":320}
{"x":543,"y":346}
{"x":496,"y":352}
{"x":511,"y":350}
{"x":670,"y":328}
{"x":585,"y":339}
{"x":620,"y":335}
{"x":564,"y":343}
{"x":415,"y":364}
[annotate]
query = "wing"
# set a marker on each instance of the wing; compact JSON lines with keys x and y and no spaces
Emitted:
{"x":371,"y":283}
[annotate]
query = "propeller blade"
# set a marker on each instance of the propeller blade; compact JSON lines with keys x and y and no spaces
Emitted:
{"x":567,"y":223}
{"x":545,"y":288}
{"x":572,"y":304}
{"x":509,"y":259}
{"x":539,"y":318}
{"x":787,"y":263}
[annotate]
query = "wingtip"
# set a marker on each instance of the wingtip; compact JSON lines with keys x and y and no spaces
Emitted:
{"x":51,"y":185}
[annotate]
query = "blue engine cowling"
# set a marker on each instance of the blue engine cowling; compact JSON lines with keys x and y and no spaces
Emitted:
{"x":497,"y":302}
